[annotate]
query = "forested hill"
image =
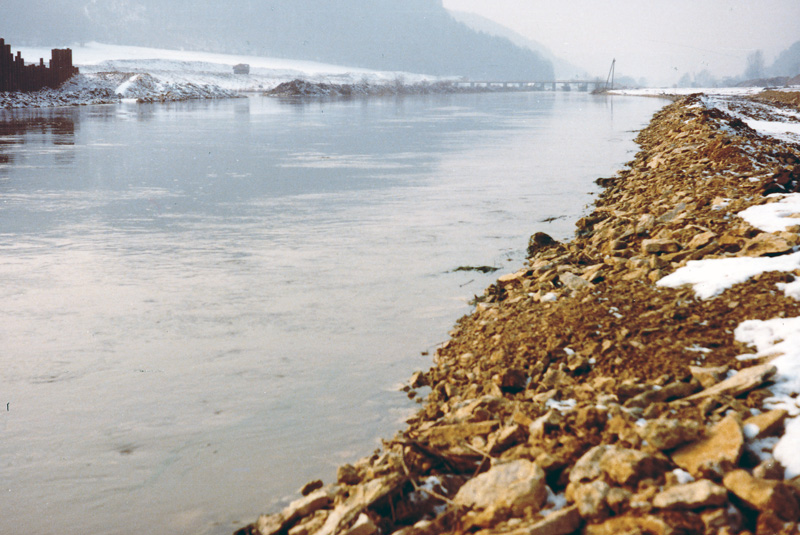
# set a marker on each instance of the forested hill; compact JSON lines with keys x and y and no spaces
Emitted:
{"x":409,"y":35}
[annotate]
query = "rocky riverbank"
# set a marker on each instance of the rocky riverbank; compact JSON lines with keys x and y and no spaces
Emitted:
{"x":641,"y":379}
{"x":306,"y":89}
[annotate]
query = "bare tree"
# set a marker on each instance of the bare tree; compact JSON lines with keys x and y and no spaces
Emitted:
{"x":755,"y":65}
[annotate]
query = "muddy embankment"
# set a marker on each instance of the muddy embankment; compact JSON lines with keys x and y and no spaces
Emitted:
{"x":585,"y":395}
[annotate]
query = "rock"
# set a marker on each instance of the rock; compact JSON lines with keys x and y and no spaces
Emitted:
{"x":617,"y":499}
{"x":721,"y":449}
{"x":309,"y":524}
{"x":418,"y":379}
{"x":449,"y":434}
{"x":590,"y":498}
{"x":647,"y":524}
{"x":509,"y":278}
{"x":363,"y":526}
{"x":513,"y":380}
{"x":510,"y":486}
{"x":766,"y":244}
{"x":562,"y":522}
{"x":538,"y":242}
{"x":360,"y":498}
{"x":715,"y":520}
{"x":744,"y":381}
{"x":587,"y":468}
{"x":310,"y":487}
{"x":691,"y":496}
{"x":574,"y":282}
{"x":765,"y":424}
{"x":660,"y":246}
{"x":771,"y":524}
{"x":627,"y":466}
{"x":506,"y":438}
{"x":667,"y":434}
{"x":769,"y":469}
{"x":271,"y":524}
{"x":699,"y":241}
{"x":763,"y":495}
{"x":347,"y":475}
{"x":710,"y":376}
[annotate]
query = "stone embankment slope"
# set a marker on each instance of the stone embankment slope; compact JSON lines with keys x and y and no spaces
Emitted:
{"x":598,"y":389}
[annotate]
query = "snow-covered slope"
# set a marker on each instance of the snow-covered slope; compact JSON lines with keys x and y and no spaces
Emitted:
{"x":203,"y":68}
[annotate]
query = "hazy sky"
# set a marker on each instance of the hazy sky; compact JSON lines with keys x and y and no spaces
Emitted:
{"x":659,"y":40}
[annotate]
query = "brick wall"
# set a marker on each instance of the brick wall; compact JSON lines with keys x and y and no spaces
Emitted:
{"x":16,"y":76}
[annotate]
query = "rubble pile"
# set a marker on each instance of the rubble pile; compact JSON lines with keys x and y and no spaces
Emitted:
{"x":79,"y":90}
{"x":306,"y":89}
{"x":109,"y":88}
{"x":586,"y":395}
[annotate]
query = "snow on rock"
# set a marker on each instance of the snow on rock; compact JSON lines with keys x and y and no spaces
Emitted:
{"x":781,"y":337}
{"x":712,"y":277}
{"x":79,"y":90}
{"x":774,"y":217}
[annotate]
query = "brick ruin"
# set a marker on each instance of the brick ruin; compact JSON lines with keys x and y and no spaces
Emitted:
{"x":16,"y":76}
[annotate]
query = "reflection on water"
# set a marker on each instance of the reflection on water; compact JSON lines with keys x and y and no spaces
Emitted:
{"x":56,"y":128}
{"x":205,"y":305}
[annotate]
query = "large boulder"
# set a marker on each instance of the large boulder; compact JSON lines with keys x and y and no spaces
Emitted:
{"x":510,"y":486}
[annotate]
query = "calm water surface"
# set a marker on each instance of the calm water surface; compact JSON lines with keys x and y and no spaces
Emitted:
{"x":205,"y":305}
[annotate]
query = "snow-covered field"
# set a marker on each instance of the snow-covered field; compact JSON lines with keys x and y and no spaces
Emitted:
{"x":210,"y":69}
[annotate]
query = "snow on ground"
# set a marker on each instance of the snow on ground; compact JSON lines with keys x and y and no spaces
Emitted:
{"x":207,"y":68}
{"x":767,"y":120}
{"x":774,"y":217}
{"x":712,"y":277}
{"x":684,"y":91}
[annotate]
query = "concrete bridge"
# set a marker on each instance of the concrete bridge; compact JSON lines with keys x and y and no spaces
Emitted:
{"x":552,"y":85}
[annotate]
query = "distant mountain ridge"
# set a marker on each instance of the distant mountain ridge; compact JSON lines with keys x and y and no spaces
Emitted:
{"x":563,"y":69}
{"x":409,"y":35}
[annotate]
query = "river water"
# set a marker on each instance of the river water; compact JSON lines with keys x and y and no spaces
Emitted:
{"x":205,"y":305}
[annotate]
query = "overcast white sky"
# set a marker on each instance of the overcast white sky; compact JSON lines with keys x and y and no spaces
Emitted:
{"x":659,"y":40}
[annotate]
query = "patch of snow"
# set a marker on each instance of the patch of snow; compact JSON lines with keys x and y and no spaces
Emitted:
{"x":549,"y":297}
{"x":751,"y":431}
{"x":791,"y":289}
{"x":554,"y":501}
{"x":776,"y":216}
{"x":764,"y":448}
{"x":124,"y":86}
{"x":713,"y":276}
{"x":682,"y":476}
{"x":561,"y":406}
{"x":781,"y":337}
{"x":787,"y":447}
{"x":685,"y":91}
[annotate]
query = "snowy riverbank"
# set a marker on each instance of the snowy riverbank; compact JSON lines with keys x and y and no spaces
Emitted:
{"x":110,"y":73}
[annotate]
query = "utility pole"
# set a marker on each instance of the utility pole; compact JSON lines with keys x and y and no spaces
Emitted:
{"x":611,"y":74}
